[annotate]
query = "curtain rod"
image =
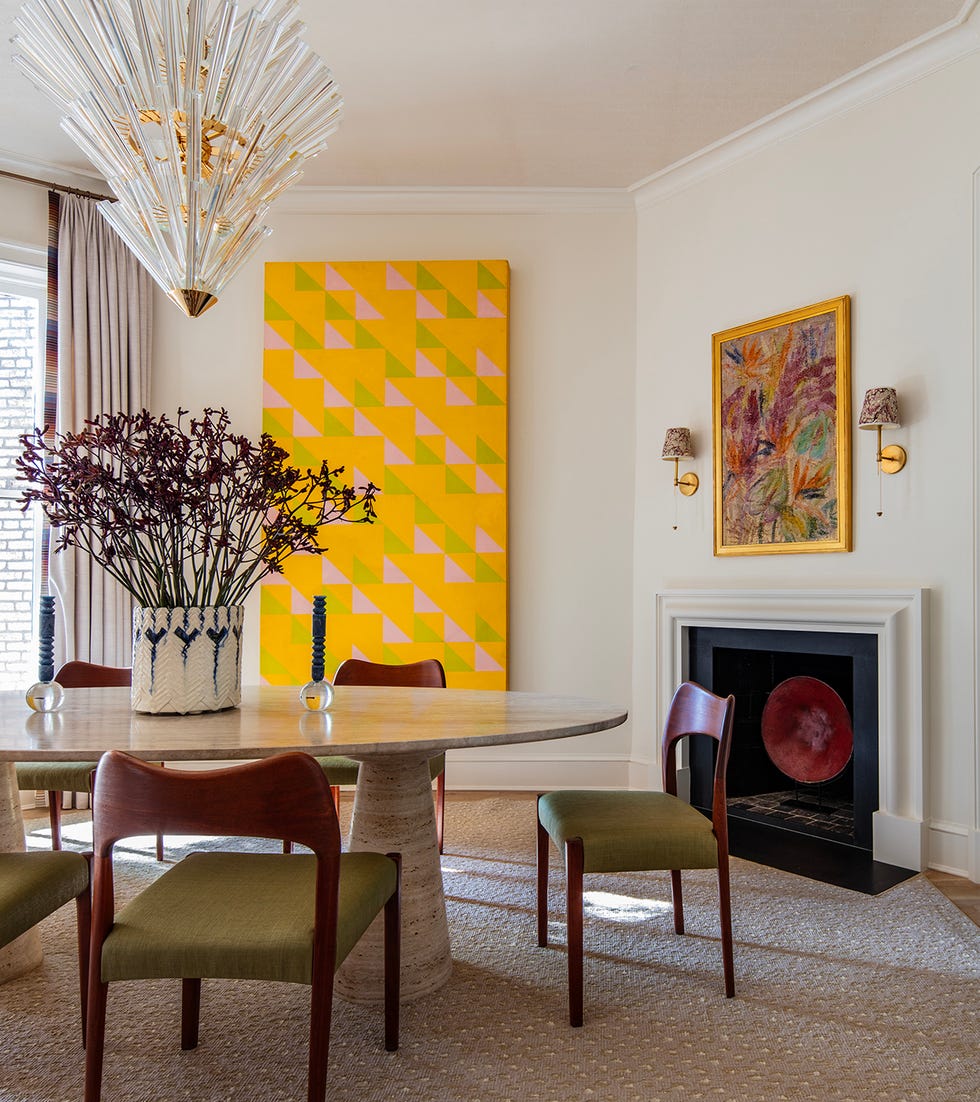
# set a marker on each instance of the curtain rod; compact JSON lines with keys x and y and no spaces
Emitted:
{"x":55,"y":187}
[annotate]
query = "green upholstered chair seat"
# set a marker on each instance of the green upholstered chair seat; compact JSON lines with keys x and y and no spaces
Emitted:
{"x":627,"y":831}
{"x":55,"y":776}
{"x":32,"y":885}
{"x":209,"y":916}
{"x":342,"y":771}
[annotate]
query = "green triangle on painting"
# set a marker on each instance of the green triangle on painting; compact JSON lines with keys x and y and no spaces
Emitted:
{"x":300,"y":633}
{"x":455,"y":366}
{"x":457,"y":309}
{"x":391,"y":657}
{"x":425,"y":280}
{"x":302,"y":456}
{"x":393,"y":484}
{"x":364,"y":575}
{"x":395,"y":369}
{"x":486,"y":280}
{"x":302,"y":339}
{"x":424,"y":338}
{"x":273,"y":603}
{"x":333,"y":426}
{"x":455,"y":543}
{"x":306,"y":282}
{"x":484,"y":633}
{"x":453,"y":663}
{"x":425,"y":514}
{"x":456,"y":485}
{"x":273,"y":426}
{"x":424,"y":454}
{"x":364,"y":338}
{"x":485,"y":396}
{"x":393,"y":545}
{"x":275,"y":312}
{"x":486,"y":454}
{"x":485,"y":573}
{"x":275,"y":671}
{"x":423,"y":633}
{"x":335,"y":606}
{"x":334,"y":311}
{"x":364,"y":397}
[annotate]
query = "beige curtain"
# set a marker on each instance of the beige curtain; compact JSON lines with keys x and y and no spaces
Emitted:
{"x":104,"y":322}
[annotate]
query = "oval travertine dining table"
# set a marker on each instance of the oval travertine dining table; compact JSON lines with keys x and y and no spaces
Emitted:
{"x":392,"y":732}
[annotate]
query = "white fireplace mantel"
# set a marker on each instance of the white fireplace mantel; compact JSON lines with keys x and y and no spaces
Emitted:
{"x":895,"y":616}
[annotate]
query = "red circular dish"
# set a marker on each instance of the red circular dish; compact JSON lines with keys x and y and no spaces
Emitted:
{"x":806,"y":730}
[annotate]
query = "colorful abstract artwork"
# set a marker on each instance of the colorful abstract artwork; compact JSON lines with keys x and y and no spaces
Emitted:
{"x":396,"y":371}
{"x":781,"y":396}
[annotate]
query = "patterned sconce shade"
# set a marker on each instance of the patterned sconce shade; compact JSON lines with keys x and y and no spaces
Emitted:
{"x":678,"y":445}
{"x":880,"y":409}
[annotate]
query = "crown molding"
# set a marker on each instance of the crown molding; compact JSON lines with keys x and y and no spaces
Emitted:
{"x":453,"y":200}
{"x":925,"y":55}
{"x":59,"y":174}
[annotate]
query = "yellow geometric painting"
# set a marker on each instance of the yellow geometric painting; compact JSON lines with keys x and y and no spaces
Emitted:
{"x":396,"y":371}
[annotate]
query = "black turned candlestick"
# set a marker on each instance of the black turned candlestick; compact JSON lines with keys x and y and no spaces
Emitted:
{"x":46,"y":695}
{"x":317,"y":694}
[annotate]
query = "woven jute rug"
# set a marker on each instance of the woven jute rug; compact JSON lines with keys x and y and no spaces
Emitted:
{"x":839,"y":996}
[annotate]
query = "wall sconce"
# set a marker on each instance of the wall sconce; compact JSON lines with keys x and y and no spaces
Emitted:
{"x":678,"y":446}
{"x":880,"y":411}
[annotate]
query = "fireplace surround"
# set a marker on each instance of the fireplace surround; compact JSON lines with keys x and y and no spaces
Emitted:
{"x":894,"y":617}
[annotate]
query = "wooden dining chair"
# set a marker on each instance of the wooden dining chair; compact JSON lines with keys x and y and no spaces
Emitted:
{"x":236,"y":915}
{"x":57,"y":777}
{"x":640,"y":831}
{"x":34,"y":885}
{"x":427,"y":674}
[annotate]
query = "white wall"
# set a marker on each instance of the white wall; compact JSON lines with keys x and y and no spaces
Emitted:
{"x":878,"y":204}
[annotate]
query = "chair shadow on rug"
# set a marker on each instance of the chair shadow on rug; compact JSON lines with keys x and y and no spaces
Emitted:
{"x":642,"y":831}
{"x":233,"y":915}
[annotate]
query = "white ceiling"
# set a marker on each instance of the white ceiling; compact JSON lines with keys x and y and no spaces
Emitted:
{"x":542,"y":93}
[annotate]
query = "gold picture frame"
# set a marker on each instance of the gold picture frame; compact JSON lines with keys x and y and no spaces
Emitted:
{"x":782,"y":433}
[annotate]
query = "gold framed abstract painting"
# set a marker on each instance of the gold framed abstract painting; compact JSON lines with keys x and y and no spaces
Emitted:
{"x":782,"y":433}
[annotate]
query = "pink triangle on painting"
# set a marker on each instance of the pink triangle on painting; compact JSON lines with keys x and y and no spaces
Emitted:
{"x":486,"y":366}
{"x":273,"y":341}
{"x":300,"y":605}
{"x":453,"y":633}
{"x":364,"y":427}
{"x":485,"y":308}
{"x":394,"y":397}
{"x":485,"y":545}
{"x":424,"y":545}
{"x":424,"y":427}
{"x":332,"y":398}
{"x":303,"y":369}
{"x":360,"y":478}
{"x":425,"y":368}
{"x":454,"y":572}
{"x":393,"y":574}
{"x":394,"y":456}
{"x":455,"y":397}
{"x":302,"y":427}
{"x":424,"y":603}
{"x":272,"y":399}
{"x":455,"y":454}
{"x":356,"y":652}
{"x":331,"y":574}
{"x":332,"y":338}
{"x":392,"y":633}
{"x":424,"y":308}
{"x":395,"y":281}
{"x":363,"y":309}
{"x":360,"y":603}
{"x":484,"y":663}
{"x":334,"y":281}
{"x":485,"y":484}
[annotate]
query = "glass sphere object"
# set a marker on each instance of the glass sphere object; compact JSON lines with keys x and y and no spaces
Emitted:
{"x":45,"y":696}
{"x":317,"y":696}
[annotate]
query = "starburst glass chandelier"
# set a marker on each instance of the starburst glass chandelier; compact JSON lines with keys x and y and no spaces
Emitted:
{"x":197,"y":115}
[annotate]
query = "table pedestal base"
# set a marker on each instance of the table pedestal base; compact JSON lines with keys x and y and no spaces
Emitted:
{"x":393,"y":812}
{"x":24,"y":952}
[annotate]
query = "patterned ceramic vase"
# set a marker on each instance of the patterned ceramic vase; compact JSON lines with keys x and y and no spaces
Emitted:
{"x":187,"y":659}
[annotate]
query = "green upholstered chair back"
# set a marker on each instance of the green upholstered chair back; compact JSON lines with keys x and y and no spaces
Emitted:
{"x":427,"y":674}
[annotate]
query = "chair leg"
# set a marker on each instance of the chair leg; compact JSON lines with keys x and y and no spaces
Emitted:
{"x":159,"y":847}
{"x":441,"y":808}
{"x":675,"y":892}
{"x":544,"y":842}
{"x":287,"y":846}
{"x":335,"y":792}
{"x":725,"y":913}
{"x":54,"y":817}
{"x":321,"y":1007}
{"x":574,"y":865}
{"x":392,"y":943}
{"x":95,"y":1039}
{"x":190,"y":1013}
{"x":83,"y":918}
